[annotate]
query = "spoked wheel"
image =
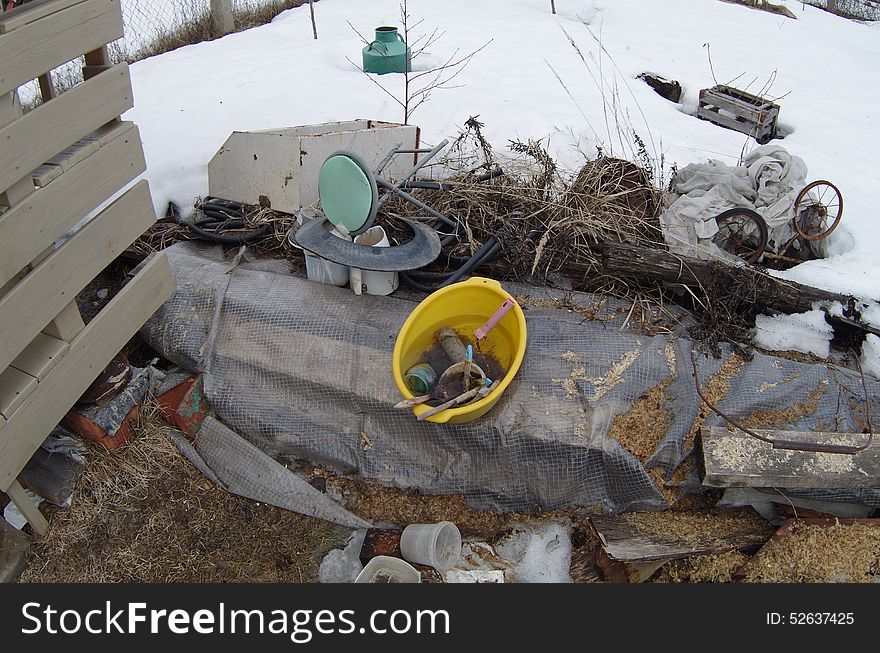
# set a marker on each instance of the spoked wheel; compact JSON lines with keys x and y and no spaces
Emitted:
{"x":741,"y":232}
{"x":817,"y":210}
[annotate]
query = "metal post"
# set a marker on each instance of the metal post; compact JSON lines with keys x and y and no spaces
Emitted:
{"x":221,"y":16}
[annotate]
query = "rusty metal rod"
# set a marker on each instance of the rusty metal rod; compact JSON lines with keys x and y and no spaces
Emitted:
{"x":793,"y":445}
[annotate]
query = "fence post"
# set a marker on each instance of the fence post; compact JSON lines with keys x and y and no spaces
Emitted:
{"x":221,"y":15}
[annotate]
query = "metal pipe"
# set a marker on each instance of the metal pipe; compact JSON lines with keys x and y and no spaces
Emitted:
{"x":412,"y":200}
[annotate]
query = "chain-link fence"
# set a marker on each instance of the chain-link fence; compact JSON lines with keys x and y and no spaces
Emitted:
{"x":859,"y":9}
{"x":156,"y":26}
{"x":153,"y":26}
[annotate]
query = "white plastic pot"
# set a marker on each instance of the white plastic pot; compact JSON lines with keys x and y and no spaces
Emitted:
{"x":386,"y":569}
{"x":437,"y":545}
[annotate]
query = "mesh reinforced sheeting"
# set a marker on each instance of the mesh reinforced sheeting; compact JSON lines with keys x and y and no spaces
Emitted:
{"x":304,"y":370}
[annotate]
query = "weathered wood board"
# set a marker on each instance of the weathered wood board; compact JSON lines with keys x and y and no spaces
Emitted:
{"x":44,"y":132}
{"x":49,"y":287}
{"x":732,"y":458}
{"x":645,"y":537}
{"x":35,"y":223}
{"x":37,"y":47}
{"x":89,"y":353}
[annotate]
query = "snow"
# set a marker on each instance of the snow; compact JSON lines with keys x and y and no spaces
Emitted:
{"x":808,"y":333}
{"x":343,"y":565}
{"x":189,"y":101}
{"x":871,"y":356}
{"x":538,"y":553}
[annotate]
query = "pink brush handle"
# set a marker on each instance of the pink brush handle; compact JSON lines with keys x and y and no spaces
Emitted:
{"x":503,"y":310}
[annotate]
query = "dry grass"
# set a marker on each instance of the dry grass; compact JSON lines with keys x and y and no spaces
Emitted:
{"x":764,"y":5}
{"x":543,"y":216}
{"x":148,"y":515}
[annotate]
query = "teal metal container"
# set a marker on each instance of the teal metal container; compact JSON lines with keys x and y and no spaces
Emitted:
{"x":388,"y":53}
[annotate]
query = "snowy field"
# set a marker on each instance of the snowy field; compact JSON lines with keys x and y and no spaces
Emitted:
{"x":824,"y":68}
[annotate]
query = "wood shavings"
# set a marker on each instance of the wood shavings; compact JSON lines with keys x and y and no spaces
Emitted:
{"x":669,"y":352}
{"x":817,"y":554}
{"x":641,"y":429}
{"x":766,"y":386}
{"x":570,"y":357}
{"x":772,"y":419}
{"x":715,"y":390}
{"x":718,"y":568}
{"x":614,"y":376}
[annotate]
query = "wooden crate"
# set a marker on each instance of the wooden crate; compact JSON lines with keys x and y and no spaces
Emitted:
{"x":740,"y":111}
{"x":58,"y":163}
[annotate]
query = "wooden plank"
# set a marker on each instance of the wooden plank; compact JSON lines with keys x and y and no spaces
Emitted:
{"x":67,"y":324}
{"x":73,"y":154}
{"x":89,"y":353}
{"x":615,"y":571}
{"x":34,"y":224}
{"x":40,"y":356}
{"x":48,"y":288}
{"x":15,"y":386}
{"x":47,"y":89}
{"x":732,"y":458}
{"x":27,"y":508}
{"x":10,"y":111}
{"x":747,"y":111}
{"x":37,"y":48}
{"x":644,"y":537}
{"x":45,"y":175}
{"x":31,"y":12}
{"x":48,"y":129}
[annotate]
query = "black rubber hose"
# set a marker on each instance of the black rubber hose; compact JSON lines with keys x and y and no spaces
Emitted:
{"x":484,"y":254}
{"x":226,"y":239}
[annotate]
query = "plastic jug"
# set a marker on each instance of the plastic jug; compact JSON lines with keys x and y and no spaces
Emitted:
{"x":388,"y":53}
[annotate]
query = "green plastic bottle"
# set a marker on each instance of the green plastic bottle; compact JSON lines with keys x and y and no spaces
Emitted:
{"x":388,"y":53}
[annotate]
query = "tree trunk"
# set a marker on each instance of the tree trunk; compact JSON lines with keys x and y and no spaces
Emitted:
{"x":643,"y":263}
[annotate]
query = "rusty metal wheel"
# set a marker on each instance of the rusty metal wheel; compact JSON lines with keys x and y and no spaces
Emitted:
{"x":817,"y":210}
{"x":741,"y":232}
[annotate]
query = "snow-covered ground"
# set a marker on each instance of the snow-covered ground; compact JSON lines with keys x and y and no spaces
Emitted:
{"x":188,"y":101}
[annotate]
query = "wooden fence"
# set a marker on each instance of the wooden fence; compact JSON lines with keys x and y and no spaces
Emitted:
{"x":58,"y":164}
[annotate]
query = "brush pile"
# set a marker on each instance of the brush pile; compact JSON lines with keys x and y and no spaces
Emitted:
{"x":542,"y":216}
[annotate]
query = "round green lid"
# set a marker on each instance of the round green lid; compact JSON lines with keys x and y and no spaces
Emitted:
{"x":348,"y":192}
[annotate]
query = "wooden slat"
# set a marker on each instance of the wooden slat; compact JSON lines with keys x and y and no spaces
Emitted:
{"x":45,"y":175}
{"x":40,"y":356}
{"x":49,"y":287}
{"x":732,"y":458}
{"x":31,"y":12}
{"x":748,"y":111}
{"x":10,"y":111}
{"x":27,"y":508}
{"x":34,"y":224}
{"x":89,"y":353}
{"x":15,"y":386}
{"x":70,"y":156}
{"x":51,"y":127}
{"x":67,"y":324}
{"x":37,"y":48}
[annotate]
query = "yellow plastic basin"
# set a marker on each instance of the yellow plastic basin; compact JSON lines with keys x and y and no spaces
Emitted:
{"x":464,"y":307}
